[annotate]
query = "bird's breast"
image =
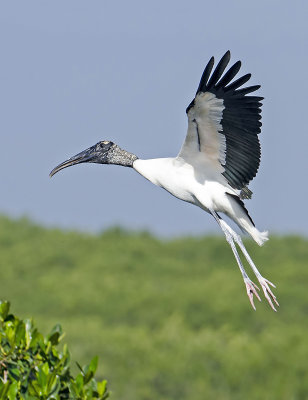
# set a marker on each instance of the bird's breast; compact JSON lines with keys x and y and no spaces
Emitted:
{"x":170,"y":174}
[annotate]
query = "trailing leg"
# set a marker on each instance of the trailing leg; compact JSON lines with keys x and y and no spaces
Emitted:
{"x":250,"y":286}
{"x":263,"y":282}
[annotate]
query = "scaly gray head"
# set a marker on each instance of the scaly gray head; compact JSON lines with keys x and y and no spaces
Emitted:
{"x":104,"y":152}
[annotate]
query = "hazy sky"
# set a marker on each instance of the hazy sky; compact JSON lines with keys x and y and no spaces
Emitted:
{"x":76,"y":72}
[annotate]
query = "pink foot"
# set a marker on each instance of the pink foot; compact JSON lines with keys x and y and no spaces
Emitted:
{"x":251,"y":290}
{"x":268,"y":293}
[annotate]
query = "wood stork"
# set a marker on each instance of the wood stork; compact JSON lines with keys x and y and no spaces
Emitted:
{"x":219,"y":157}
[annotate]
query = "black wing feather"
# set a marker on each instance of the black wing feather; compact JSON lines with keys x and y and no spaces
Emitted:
{"x":248,"y":89}
{"x":229,"y":75}
{"x":219,"y":70}
{"x":205,"y":76}
{"x":240,"y":120}
{"x":239,"y":82}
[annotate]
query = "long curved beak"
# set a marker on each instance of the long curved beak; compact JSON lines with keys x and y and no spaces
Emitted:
{"x":87,"y":155}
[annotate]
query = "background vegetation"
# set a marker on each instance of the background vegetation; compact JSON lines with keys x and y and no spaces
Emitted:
{"x":168,"y":319}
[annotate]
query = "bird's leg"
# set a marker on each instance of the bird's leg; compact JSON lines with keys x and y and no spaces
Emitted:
{"x":270,"y":297}
{"x":250,"y":286}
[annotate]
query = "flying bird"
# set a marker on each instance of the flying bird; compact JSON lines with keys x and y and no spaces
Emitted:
{"x":219,"y":157}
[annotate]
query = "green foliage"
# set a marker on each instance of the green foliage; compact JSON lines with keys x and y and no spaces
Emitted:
{"x":170,"y":319}
{"x":31,"y":366}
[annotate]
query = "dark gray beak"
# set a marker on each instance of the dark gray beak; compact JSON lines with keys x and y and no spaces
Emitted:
{"x":88,"y":155}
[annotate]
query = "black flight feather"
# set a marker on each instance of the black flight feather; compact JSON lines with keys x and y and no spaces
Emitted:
{"x":205,"y":76}
{"x":229,"y":75}
{"x":239,"y":82}
{"x":221,"y":66}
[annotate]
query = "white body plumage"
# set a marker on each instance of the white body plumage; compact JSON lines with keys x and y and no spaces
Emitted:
{"x":196,"y":184}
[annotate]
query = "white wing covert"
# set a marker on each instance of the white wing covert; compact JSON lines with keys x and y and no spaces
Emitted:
{"x":224,"y":123}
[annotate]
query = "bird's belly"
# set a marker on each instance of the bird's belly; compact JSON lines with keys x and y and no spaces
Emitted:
{"x":179,"y":191}
{"x":180,"y":184}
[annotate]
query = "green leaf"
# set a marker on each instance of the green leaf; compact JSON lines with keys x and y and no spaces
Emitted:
{"x":93,"y":364}
{"x":28,"y":334}
{"x":20,"y":333}
{"x":37,"y":340}
{"x":65,"y":357}
{"x":55,"y":334}
{"x":79,"y":382}
{"x":4,"y":309}
{"x":80,"y":367}
{"x":4,"y":390}
{"x":88,"y":376}
{"x":34,"y":389}
{"x":14,"y":373}
{"x":42,"y":378}
{"x":10,"y":333}
{"x":53,"y":384}
{"x":73,"y":390}
{"x":12,"y":392}
{"x":89,"y":370}
{"x":101,"y":387}
{"x":45,"y":368}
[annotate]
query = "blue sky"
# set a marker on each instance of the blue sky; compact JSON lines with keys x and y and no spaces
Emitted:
{"x":76,"y":72}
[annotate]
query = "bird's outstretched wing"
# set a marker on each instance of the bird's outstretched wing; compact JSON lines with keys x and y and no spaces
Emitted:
{"x":224,"y":123}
